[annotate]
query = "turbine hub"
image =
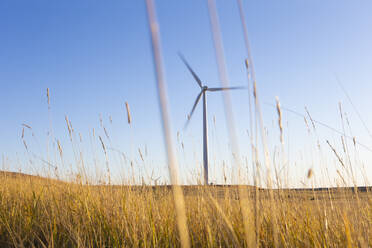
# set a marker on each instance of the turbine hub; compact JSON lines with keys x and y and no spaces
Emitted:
{"x":205,"y":88}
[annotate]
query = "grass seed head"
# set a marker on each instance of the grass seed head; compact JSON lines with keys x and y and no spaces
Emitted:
{"x":48,"y":97}
{"x":279,"y":119}
{"x":309,"y":173}
{"x":128,"y":113}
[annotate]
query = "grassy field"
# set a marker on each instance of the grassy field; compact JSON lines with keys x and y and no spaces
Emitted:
{"x":92,"y":212}
{"x":37,"y":212}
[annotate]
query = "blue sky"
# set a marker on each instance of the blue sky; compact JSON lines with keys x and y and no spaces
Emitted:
{"x":95,"y":55}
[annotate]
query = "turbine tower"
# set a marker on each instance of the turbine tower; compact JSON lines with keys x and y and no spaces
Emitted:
{"x":203,"y":90}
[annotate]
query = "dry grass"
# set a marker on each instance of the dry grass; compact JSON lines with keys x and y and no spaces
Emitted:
{"x":35,"y":212}
{"x":43,"y":212}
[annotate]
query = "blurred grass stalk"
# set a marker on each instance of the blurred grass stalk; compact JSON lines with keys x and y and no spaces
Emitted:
{"x":230,"y":123}
{"x":172,"y":160}
{"x":251,"y":73}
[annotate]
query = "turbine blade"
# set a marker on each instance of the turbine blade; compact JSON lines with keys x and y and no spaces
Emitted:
{"x":226,"y":88}
{"x":193,"y":108}
{"x":192,"y":72}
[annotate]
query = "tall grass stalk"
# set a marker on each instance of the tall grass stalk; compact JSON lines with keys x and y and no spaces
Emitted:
{"x":230,"y":123}
{"x":259,"y":119}
{"x":172,"y":160}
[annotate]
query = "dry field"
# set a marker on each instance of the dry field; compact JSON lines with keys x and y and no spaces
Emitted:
{"x":43,"y":212}
{"x":37,"y":212}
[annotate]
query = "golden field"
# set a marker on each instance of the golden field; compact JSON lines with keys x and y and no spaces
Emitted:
{"x":38,"y":212}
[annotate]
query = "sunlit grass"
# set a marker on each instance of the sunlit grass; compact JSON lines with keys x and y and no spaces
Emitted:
{"x":47,"y":213}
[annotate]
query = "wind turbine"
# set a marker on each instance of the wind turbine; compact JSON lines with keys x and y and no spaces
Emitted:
{"x":203,"y":90}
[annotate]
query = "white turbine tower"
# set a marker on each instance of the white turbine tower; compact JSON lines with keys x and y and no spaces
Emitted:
{"x":203,"y":91}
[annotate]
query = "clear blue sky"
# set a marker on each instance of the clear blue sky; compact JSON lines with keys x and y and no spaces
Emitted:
{"x":95,"y":55}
